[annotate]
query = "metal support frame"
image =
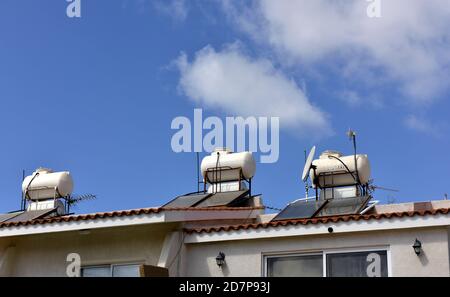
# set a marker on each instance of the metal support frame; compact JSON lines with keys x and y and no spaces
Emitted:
{"x":217,"y":173}
{"x":315,"y":181}
{"x":56,"y":196}
{"x":320,"y":208}
{"x":362,"y":188}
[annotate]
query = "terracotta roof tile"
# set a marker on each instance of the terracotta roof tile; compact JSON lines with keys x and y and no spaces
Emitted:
{"x":121,"y":213}
{"x":320,"y":220}
{"x":83,"y":217}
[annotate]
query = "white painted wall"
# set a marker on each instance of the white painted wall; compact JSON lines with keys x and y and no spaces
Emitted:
{"x":45,"y":255}
{"x":244,"y":257}
{"x":7,"y":252}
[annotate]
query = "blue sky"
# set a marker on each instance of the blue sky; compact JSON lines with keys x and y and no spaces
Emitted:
{"x":96,"y":95}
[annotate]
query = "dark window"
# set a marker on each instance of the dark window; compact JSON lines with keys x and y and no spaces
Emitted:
{"x":291,"y":266}
{"x":359,"y":264}
{"x":127,"y":270}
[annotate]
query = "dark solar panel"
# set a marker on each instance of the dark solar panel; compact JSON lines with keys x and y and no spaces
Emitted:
{"x":342,"y":206}
{"x":7,"y":216}
{"x":187,"y":200}
{"x":300,"y":210}
{"x":223,"y":199}
{"x":30,"y":215}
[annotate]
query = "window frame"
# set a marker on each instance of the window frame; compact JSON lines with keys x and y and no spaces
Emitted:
{"x":324,"y":254}
{"x":284,"y":255}
{"x":111,"y":267}
{"x":97,"y":266}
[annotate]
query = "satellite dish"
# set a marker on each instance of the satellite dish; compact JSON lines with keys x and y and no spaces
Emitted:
{"x":308,"y":164}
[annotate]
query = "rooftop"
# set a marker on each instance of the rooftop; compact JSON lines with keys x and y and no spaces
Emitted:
{"x":320,"y":220}
{"x":203,"y":219}
{"x":43,"y":219}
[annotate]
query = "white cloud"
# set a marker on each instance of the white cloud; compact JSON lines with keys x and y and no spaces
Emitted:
{"x":177,"y":9}
{"x":422,"y":125}
{"x":409,"y":45}
{"x":233,"y":82}
{"x":351,"y":98}
{"x":355,"y":99}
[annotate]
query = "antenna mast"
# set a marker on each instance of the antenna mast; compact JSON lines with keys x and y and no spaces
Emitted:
{"x":306,"y":182}
{"x":352,"y":135}
{"x":22,"y":206}
{"x":198,"y":172}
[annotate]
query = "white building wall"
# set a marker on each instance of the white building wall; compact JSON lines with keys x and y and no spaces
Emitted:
{"x":245,"y":257}
{"x":45,"y":255}
{"x":7,"y":251}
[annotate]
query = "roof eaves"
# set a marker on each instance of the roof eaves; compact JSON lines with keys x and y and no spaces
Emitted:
{"x":321,"y":220}
{"x":83,"y":217}
{"x":122,"y":213}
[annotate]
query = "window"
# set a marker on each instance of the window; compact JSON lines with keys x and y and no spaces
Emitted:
{"x":125,"y":270}
{"x":122,"y":270}
{"x":97,"y":271}
{"x":304,"y":266}
{"x":359,"y":264}
{"x":369,"y":263}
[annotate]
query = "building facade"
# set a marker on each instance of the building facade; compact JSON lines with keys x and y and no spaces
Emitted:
{"x":410,"y":239}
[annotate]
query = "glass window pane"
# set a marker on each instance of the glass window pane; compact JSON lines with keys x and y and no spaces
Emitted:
{"x":126,"y":270}
{"x":304,"y":266}
{"x":360,"y":264}
{"x":96,"y":271}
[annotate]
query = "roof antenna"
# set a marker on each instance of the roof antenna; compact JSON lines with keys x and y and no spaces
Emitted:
{"x":198,"y":172}
{"x":352,"y":136}
{"x":306,"y":183}
{"x":22,"y":203}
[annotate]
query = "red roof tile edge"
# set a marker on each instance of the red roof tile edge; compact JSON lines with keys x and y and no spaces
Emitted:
{"x":120,"y":213}
{"x":323,"y":220}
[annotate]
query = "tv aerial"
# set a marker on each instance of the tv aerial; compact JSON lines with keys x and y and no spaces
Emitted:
{"x":74,"y":200}
{"x":371,"y":187}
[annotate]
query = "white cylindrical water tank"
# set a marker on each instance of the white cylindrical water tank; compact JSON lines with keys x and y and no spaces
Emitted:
{"x":229,"y":165}
{"x":45,"y":184}
{"x":329,"y":169}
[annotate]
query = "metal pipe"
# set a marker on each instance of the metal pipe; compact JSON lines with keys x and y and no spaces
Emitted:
{"x":198,"y":173}
{"x":315,"y":181}
{"x":348,"y":170}
{"x":354,"y":155}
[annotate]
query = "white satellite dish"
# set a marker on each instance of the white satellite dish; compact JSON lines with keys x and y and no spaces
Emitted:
{"x":308,"y":164}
